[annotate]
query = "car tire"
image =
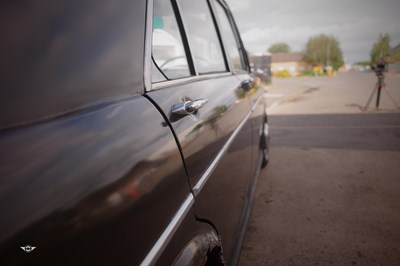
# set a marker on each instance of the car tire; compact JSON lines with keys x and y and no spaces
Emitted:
{"x":265,"y":157}
{"x":264,"y":145}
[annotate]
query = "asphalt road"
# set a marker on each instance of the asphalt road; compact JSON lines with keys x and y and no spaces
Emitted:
{"x":344,"y":93}
{"x":331,"y":192}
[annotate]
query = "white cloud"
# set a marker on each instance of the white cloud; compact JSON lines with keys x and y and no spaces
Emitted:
{"x":239,"y":6}
{"x":355,"y":23}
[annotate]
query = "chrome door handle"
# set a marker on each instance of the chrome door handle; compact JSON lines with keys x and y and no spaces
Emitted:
{"x":188,"y":107}
{"x":246,"y":84}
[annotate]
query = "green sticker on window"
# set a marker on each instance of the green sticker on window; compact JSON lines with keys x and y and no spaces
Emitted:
{"x":158,"y":23}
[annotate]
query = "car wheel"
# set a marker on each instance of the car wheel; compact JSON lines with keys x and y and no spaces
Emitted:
{"x":265,"y":157}
{"x":264,"y":144}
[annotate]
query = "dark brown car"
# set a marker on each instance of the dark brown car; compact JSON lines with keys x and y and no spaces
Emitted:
{"x":131,"y":132}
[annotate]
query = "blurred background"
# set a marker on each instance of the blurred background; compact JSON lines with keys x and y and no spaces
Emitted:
{"x":311,"y":37}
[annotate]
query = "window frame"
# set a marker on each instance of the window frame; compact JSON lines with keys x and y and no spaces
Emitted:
{"x":242,"y":53}
{"x":216,"y":28}
{"x":184,"y":37}
{"x":150,"y":85}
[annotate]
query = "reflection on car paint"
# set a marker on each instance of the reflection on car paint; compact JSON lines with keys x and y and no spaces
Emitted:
{"x":85,"y":174}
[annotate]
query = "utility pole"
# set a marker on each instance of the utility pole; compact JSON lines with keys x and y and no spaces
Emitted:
{"x":328,"y":54}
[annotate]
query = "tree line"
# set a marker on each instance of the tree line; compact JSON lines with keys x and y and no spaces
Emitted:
{"x":324,"y":50}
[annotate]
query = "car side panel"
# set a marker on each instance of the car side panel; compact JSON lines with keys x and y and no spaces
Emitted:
{"x":96,"y":188}
{"x":258,"y":106}
{"x":191,"y":244}
{"x":216,"y":144}
{"x":203,"y":134}
{"x":57,"y":56}
{"x":224,"y":198}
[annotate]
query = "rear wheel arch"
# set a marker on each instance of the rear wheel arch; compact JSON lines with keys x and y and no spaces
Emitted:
{"x":202,"y":249}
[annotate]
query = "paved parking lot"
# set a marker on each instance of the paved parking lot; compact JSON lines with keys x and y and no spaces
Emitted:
{"x":331,"y":193}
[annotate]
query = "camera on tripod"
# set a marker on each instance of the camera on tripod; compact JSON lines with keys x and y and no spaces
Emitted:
{"x":379,"y":69}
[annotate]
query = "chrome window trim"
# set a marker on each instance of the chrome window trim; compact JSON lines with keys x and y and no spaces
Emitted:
{"x":169,"y":232}
{"x":217,"y":25}
{"x":217,"y":19}
{"x":185,"y":38}
{"x":256,"y":103}
{"x":183,"y":81}
{"x":236,"y":35}
{"x":148,"y":39}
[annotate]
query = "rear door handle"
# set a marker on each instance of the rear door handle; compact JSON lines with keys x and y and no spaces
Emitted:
{"x":246,"y":85}
{"x":188,"y":107}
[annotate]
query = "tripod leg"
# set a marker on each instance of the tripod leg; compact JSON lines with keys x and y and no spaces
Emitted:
{"x":379,"y":96}
{"x":390,"y":96}
{"x":370,"y":98}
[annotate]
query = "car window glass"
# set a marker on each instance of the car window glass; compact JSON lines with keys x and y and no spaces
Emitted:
{"x":156,"y":75}
{"x":167,"y":48}
{"x":203,"y":39}
{"x":229,"y":38}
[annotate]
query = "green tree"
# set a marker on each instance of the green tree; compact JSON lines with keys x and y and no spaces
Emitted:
{"x":323,"y":50}
{"x":363,"y":63}
{"x":381,"y":48}
{"x":280,"y":47}
{"x":396,"y":57}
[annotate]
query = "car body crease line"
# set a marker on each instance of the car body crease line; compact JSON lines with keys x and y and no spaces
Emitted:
{"x":203,"y":179}
{"x":167,"y":234}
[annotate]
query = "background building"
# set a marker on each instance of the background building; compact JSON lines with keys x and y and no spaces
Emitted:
{"x":261,"y":66}
{"x":290,"y":62}
{"x":394,"y":67}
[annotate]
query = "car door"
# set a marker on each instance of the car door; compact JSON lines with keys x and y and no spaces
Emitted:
{"x":229,"y":178}
{"x":192,"y":70}
{"x":255,"y":92}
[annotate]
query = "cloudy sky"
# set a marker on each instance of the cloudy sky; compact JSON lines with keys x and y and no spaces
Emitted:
{"x":355,"y":23}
